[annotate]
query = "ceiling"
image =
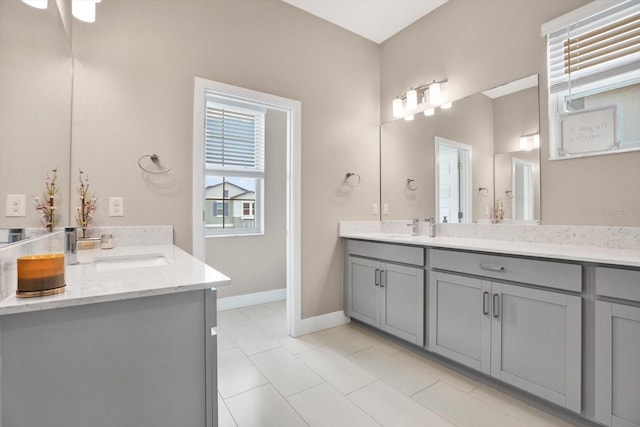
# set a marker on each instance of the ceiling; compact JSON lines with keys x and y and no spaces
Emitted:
{"x":376,"y":20}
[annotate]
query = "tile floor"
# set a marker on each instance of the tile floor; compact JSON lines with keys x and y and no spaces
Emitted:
{"x":345,"y":376}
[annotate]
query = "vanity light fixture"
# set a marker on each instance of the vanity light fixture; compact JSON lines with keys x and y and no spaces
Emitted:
{"x":397,"y":107}
{"x":84,"y":10}
{"x":530,"y":142}
{"x":430,"y":96}
{"x":435,"y":93}
{"x":412,"y":100}
{"x":38,"y":4}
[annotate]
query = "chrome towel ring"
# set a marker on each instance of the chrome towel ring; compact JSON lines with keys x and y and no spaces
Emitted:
{"x":352,"y":179}
{"x":411,"y":186}
{"x":156,"y":160}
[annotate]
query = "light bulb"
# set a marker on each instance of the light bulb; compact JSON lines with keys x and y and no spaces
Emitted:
{"x":434,"y":94}
{"x":409,"y":117}
{"x":397,"y":107}
{"x":84,"y":10}
{"x":526,"y":143}
{"x":446,"y":105}
{"x":38,"y":4}
{"x":536,"y":140}
{"x":412,"y":99}
{"x":429,"y":112}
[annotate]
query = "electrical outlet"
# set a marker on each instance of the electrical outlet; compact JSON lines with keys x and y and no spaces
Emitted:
{"x":116,"y":206}
{"x":385,"y":209}
{"x":374,"y":209}
{"x":15,"y":204}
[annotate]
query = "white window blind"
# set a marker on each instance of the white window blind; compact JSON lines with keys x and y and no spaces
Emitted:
{"x":234,"y":140}
{"x":602,"y":45}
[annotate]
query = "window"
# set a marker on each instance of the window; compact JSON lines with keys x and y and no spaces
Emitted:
{"x":594,"y":80}
{"x":234,"y":167}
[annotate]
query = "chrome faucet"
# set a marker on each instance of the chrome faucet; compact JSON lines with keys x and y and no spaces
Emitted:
{"x":70,"y":246}
{"x":414,"y":226}
{"x":432,"y":226}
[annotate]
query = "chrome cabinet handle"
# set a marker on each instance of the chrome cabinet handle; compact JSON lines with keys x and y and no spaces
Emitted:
{"x":383,"y":279}
{"x":485,"y":302}
{"x":377,"y":279}
{"x":496,"y":303}
{"x":491,"y":267}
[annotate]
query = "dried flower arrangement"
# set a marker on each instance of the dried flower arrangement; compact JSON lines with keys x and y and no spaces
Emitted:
{"x":46,"y":205}
{"x":498,"y":211}
{"x":87,"y":208}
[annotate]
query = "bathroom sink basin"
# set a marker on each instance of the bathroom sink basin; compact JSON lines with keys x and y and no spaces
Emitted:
{"x":129,"y":261}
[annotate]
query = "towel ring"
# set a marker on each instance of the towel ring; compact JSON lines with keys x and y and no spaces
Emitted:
{"x":156,"y":160}
{"x":352,"y":179}
{"x":483,"y":191}
{"x":509,"y":194}
{"x":411,"y":187}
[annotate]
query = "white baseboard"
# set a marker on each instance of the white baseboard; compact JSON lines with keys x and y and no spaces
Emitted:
{"x":318,"y":323}
{"x":229,"y":303}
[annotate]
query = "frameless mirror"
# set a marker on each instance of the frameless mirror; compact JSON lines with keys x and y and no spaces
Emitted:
{"x":443,"y":165}
{"x":35,"y":114}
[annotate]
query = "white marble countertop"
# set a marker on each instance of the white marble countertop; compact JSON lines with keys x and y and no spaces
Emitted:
{"x":593,"y":254}
{"x":89,"y":282}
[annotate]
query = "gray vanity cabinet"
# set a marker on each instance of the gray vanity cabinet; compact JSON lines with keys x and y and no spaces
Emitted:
{"x":617,"y":355}
{"x":524,"y":336}
{"x":459,"y":320}
{"x":383,"y":294}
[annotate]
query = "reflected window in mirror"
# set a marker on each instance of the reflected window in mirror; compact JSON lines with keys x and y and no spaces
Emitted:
{"x":594,"y":82}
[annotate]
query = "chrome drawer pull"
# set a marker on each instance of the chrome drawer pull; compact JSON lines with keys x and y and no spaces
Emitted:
{"x":383,"y":279}
{"x":496,"y":302}
{"x":485,"y":302}
{"x":377,"y":279}
{"x":491,"y":267}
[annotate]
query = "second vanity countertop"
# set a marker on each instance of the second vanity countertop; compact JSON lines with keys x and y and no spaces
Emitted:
{"x":169,"y":270}
{"x":593,"y":254}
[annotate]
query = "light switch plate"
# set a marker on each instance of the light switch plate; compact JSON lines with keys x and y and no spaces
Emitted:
{"x":116,"y":206}
{"x":15,"y":204}
{"x":374,"y":209}
{"x":385,"y":209}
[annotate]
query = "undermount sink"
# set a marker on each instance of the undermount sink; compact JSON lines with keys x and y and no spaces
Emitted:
{"x":129,"y":261}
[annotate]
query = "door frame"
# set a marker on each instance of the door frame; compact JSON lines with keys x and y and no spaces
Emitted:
{"x":528,"y":206}
{"x":464,"y":152}
{"x":293,"y":110}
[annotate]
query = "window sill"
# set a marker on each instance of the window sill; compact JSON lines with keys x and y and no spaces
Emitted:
{"x":215,"y":236}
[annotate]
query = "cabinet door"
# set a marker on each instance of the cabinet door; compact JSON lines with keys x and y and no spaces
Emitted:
{"x":459,"y":319}
{"x":617,"y":364}
{"x":363,"y":297}
{"x":536,"y":342}
{"x":402,"y":310}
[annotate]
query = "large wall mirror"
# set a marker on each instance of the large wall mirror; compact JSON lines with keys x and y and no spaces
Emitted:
{"x":476,"y":162}
{"x":36,"y":71}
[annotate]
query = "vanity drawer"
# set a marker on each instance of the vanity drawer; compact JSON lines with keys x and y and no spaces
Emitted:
{"x":412,"y":255}
{"x":543,"y":273}
{"x":618,"y":283}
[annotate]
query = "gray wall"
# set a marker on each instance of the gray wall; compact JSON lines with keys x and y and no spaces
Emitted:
{"x":483,"y":43}
{"x":133,"y":95}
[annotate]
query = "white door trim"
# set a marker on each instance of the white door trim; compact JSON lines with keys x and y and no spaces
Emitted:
{"x":293,"y":110}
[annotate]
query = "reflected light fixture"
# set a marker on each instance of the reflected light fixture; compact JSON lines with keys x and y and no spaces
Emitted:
{"x":530,"y":142}
{"x":412,"y":99}
{"x":429,"y":96}
{"x":447,"y":105}
{"x":84,"y":10}
{"x":397,"y":107}
{"x":38,"y":4}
